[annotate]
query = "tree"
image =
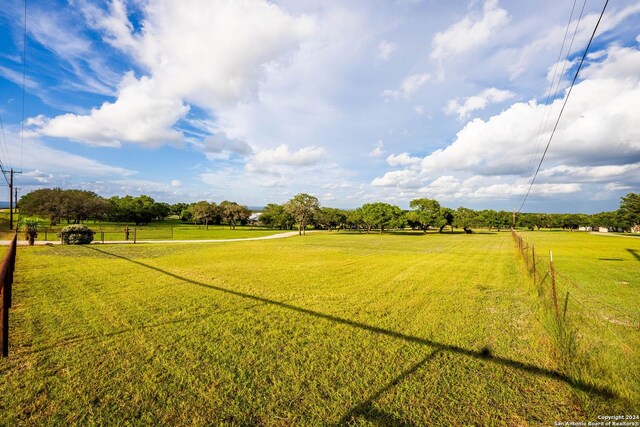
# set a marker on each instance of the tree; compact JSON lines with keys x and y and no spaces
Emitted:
{"x":380,"y":214}
{"x":203,"y":212}
{"x":446,"y":218}
{"x":330,"y":218}
{"x":233,"y":213}
{"x":355,"y":219}
{"x":46,"y":202}
{"x":465,"y":218}
{"x":133,"y":209}
{"x":630,"y":209}
{"x":275,"y":216}
{"x":426,"y":213}
{"x":302,"y":207}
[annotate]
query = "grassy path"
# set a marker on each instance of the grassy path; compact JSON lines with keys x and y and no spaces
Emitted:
{"x":326,"y":329}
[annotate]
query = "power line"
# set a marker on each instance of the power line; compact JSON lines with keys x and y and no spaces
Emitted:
{"x":547,"y":110}
{"x":24,"y":78}
{"x":553,"y":79}
{"x":4,"y":138}
{"x":564,"y":104}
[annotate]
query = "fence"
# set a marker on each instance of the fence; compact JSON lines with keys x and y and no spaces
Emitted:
{"x":579,"y":318}
{"x":7,"y":269}
{"x":105,"y":234}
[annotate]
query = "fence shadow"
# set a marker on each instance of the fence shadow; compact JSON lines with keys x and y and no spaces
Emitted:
{"x":635,"y":253}
{"x":482,"y":354}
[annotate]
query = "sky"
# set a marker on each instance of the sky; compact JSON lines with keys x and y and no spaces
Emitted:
{"x":352,"y":101}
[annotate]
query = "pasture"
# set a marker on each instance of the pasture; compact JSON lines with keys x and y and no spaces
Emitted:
{"x":327,"y":329}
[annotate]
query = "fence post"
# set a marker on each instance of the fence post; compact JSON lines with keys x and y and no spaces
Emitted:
{"x":566,"y":303}
{"x":102,"y":236}
{"x":45,"y":234}
{"x":135,"y":229}
{"x":526,"y":256}
{"x":533,"y":258}
{"x":553,"y":284}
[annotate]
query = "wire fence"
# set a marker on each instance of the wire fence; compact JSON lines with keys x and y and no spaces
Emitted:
{"x":583,"y":318}
{"x":106,"y":234}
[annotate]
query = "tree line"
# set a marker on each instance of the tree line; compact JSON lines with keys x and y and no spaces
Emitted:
{"x":76,"y":206}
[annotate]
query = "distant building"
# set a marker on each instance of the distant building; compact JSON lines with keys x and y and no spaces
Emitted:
{"x":254,"y":219}
{"x":603,"y":229}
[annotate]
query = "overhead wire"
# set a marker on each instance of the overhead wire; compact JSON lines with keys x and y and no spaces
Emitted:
{"x":564,"y":104}
{"x":548,"y":107}
{"x":3,"y":147}
{"x":24,"y":79}
{"x":534,"y":151}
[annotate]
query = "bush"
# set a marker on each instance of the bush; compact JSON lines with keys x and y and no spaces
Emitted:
{"x":76,"y":234}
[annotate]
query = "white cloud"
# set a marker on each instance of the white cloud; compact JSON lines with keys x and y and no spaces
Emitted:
{"x":268,"y":160}
{"x":403,"y":178}
{"x":596,"y":141}
{"x":470,"y":32}
{"x":220,"y":143}
{"x":140,"y":115}
{"x":477,"y":102}
{"x":379,"y":150}
{"x":385,"y":49}
{"x":403,"y":159}
{"x":409,"y":86}
{"x":212,"y":54}
{"x":419,"y":109}
{"x":176,"y":183}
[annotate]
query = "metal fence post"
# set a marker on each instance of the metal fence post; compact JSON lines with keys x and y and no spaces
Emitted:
{"x":553,"y":284}
{"x":533,"y":258}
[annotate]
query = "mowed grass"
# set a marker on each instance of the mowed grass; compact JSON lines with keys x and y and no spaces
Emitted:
{"x":327,"y":329}
{"x":601,"y":274}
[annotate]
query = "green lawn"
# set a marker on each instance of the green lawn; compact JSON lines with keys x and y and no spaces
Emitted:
{"x":332,"y":328}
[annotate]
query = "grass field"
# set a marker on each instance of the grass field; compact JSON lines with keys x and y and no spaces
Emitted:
{"x":169,"y":229}
{"x":332,"y":328}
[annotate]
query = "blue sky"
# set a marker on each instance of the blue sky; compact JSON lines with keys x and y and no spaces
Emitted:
{"x":351,"y":101}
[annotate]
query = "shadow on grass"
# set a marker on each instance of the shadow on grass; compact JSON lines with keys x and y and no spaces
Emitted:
{"x":437,"y":346}
{"x":635,"y":253}
{"x":366,"y":409}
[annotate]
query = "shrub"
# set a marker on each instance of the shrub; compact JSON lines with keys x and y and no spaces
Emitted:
{"x":77,"y":234}
{"x":30,"y":228}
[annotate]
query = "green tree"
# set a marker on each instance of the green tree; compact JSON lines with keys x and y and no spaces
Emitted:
{"x":232,"y":213}
{"x":203,"y":212}
{"x":275,"y":216}
{"x":630,"y":209}
{"x":426,"y":213}
{"x":381,"y":215}
{"x":330,"y":218}
{"x":465,"y":218}
{"x":302,"y":207}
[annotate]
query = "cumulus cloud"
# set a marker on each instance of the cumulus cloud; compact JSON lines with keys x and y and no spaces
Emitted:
{"x":268,"y":160}
{"x":472,"y":31}
{"x":220,"y":143}
{"x":409,"y":86}
{"x":379,"y":150}
{"x":477,"y":102}
{"x":190,"y":57}
{"x":597,"y":141}
{"x":403,"y":159}
{"x":385,"y":49}
{"x":176,"y":183}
